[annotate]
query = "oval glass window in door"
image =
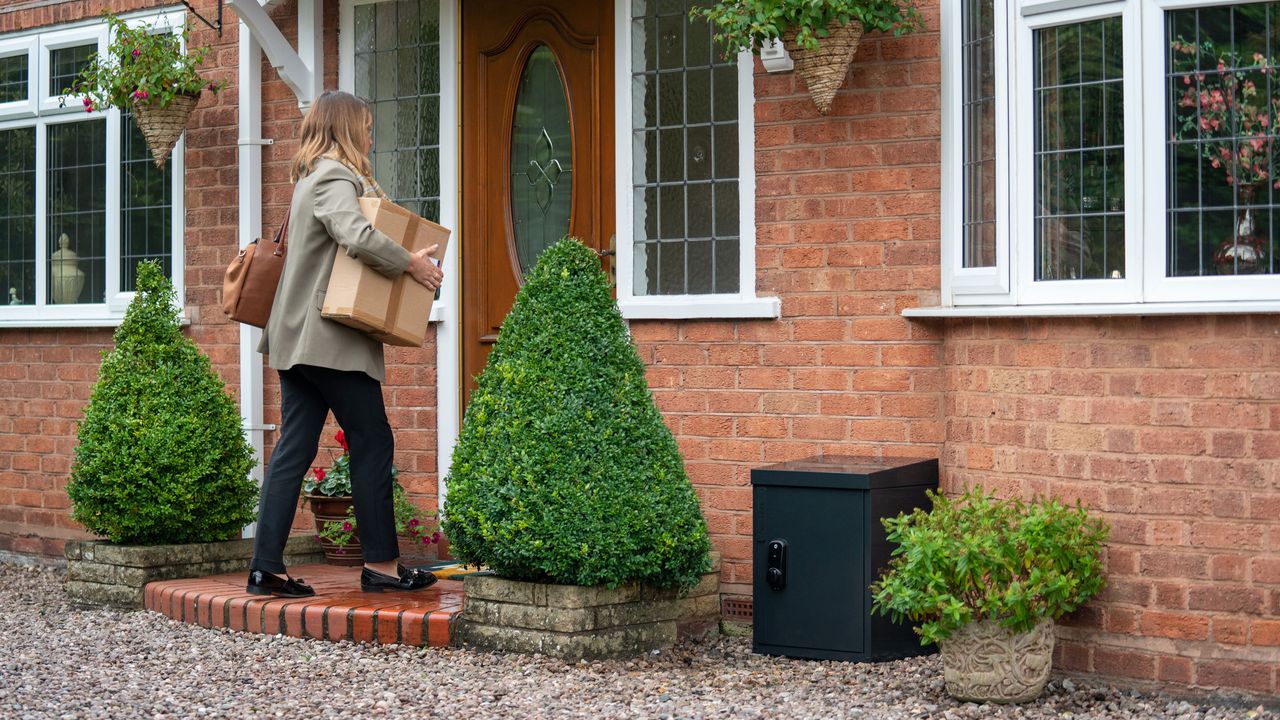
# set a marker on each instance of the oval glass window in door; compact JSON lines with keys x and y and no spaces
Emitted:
{"x":541,"y":159}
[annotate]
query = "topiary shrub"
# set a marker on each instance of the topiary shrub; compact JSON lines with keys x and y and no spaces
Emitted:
{"x":564,"y":470}
{"x":161,"y":457}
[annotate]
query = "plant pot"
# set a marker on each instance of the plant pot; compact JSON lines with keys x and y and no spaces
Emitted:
{"x":162,"y":126}
{"x":824,"y":69}
{"x":985,"y":662}
{"x":327,"y":509}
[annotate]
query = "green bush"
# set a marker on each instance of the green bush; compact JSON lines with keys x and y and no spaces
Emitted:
{"x":981,"y":558}
{"x":161,"y":457}
{"x":564,"y":470}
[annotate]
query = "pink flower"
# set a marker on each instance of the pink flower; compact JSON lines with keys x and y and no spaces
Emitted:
{"x":426,"y":540}
{"x":435,"y":537}
{"x":88,"y":108}
{"x":346,"y":525}
{"x":413,"y":522}
{"x":136,"y":52}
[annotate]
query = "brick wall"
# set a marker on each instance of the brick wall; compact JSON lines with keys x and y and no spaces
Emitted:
{"x":46,"y":375}
{"x":1170,"y":428}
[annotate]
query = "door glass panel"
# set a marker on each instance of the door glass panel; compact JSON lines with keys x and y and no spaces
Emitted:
{"x":541,"y":159}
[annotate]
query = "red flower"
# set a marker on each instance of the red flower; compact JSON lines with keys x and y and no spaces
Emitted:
{"x":346,"y":525}
{"x":319,"y":473}
{"x":341,"y":437}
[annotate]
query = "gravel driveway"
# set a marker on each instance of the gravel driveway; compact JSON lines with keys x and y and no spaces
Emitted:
{"x":57,"y":662}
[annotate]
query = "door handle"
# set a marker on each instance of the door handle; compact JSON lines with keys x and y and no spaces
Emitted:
{"x":611,"y":253}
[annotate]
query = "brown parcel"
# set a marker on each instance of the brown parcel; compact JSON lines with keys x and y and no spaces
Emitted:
{"x":392,"y":311}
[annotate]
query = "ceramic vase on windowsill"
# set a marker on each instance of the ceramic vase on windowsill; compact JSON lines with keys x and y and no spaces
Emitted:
{"x":66,"y":279}
{"x":1243,"y":253}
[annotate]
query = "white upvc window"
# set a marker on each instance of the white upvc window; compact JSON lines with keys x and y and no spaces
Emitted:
{"x":81,"y":201}
{"x":686,"y":169}
{"x":1135,"y":155}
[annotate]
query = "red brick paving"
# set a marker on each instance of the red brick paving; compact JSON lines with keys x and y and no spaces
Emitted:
{"x":339,"y":610}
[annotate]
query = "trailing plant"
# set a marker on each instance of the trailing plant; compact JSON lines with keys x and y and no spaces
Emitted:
{"x":564,"y":470}
{"x":751,"y":24}
{"x":161,"y":456}
{"x":983,"y":558}
{"x":411,"y":522}
{"x":142,"y":64}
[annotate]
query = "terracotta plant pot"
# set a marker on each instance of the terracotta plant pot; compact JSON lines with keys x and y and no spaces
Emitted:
{"x":326,"y":509}
{"x":824,"y":69}
{"x":985,"y":662}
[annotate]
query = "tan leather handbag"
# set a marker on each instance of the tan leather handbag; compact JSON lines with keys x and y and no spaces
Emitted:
{"x":249,"y":285}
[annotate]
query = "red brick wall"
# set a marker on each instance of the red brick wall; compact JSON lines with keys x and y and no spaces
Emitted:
{"x":1170,"y":428}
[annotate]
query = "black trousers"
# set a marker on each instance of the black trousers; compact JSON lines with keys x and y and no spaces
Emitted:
{"x":307,"y":394}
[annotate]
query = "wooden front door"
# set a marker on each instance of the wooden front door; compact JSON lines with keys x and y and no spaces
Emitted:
{"x":537,"y":136}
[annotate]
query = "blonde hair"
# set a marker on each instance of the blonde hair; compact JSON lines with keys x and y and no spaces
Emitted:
{"x":332,"y":127}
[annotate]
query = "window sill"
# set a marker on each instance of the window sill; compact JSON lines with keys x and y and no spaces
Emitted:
{"x":96,"y":322}
{"x":690,"y":307}
{"x":1095,"y":310}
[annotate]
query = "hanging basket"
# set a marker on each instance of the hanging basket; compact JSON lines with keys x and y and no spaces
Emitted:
{"x":161,"y":126}
{"x":824,"y":69}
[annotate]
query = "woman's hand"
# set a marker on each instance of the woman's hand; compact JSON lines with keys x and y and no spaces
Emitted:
{"x":424,"y":270}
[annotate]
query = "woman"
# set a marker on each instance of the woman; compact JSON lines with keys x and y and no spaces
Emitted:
{"x":324,"y":365}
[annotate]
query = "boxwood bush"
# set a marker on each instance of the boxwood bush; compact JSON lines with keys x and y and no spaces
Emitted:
{"x":564,"y":470}
{"x":161,"y":457}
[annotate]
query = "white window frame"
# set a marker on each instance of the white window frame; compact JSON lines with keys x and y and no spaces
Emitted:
{"x":47,"y":109}
{"x":742,"y":304}
{"x":28,"y":46}
{"x":1145,"y":289}
{"x":981,"y":284}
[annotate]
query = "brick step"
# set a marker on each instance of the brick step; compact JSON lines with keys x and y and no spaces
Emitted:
{"x":338,"y":611}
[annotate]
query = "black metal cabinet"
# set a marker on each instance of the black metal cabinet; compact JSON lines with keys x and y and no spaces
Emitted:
{"x":818,"y":546}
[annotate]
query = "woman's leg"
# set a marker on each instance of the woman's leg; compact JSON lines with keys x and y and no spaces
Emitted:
{"x":302,"y":414}
{"x":356,"y":400}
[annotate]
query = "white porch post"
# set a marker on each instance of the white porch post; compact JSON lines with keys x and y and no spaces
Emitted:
{"x":302,"y":71}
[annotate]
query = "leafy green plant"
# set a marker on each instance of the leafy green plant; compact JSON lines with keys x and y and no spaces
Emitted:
{"x":417,"y":525}
{"x":142,"y":64}
{"x":982,"y":558}
{"x":750,"y":24}
{"x":336,"y":480}
{"x":161,"y":457}
{"x":564,"y":470}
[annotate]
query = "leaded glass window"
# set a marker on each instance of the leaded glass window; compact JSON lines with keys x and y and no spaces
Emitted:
{"x":76,"y":182}
{"x":978,"y":17}
{"x":685,"y":154}
{"x":397,"y":69}
{"x":1222,"y":103}
{"x":66,"y":66}
{"x":1079,"y":151}
{"x":18,"y":215}
{"x":14,"y":78}
{"x":146,"y":206}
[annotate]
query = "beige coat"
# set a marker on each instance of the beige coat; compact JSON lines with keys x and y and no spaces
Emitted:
{"x":325,"y":215}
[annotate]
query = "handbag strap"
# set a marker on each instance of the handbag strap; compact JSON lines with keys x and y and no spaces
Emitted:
{"x":282,"y":235}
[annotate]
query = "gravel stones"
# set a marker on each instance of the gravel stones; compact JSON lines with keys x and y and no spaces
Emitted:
{"x":59,"y":662}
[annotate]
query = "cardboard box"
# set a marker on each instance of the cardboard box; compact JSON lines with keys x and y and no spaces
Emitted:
{"x":393,"y":311}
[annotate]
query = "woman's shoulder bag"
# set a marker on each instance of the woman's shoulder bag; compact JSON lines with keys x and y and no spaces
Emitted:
{"x":249,"y":285}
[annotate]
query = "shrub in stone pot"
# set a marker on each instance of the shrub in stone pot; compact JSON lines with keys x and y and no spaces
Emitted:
{"x":567,"y":484}
{"x":985,"y":578}
{"x":161,"y":459}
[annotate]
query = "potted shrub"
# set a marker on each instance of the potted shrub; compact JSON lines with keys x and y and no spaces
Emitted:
{"x":567,"y":484}
{"x":821,"y":36}
{"x":162,"y":466}
{"x":328,"y":492}
{"x":146,"y":70}
{"x":985,"y":579}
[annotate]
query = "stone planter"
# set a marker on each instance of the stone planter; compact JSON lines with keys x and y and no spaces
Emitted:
{"x":984,"y":662}
{"x":573,"y":622}
{"x":100,"y":573}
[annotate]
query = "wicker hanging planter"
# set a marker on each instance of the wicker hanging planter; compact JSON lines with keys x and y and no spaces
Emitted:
{"x":824,"y":69}
{"x":161,"y":126}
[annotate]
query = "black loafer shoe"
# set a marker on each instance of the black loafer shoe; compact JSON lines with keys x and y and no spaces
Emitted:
{"x":410,"y":579}
{"x":265,"y":583}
